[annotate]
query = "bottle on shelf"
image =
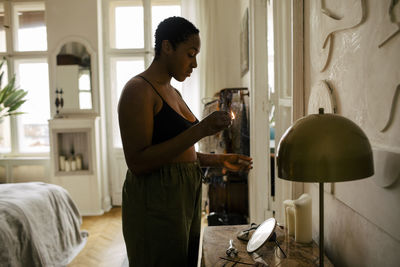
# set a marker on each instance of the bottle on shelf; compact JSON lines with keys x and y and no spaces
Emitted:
{"x":72,"y":159}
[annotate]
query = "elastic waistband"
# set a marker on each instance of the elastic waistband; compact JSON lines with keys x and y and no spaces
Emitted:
{"x":195,"y":163}
{"x":180,"y":166}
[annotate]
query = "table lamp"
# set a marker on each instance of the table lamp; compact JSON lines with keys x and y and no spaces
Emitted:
{"x":324,"y":148}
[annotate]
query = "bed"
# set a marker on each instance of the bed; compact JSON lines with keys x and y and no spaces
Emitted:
{"x":39,"y":225}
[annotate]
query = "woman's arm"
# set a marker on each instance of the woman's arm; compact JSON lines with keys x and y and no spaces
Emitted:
{"x":136,"y":112}
{"x":231,"y":162}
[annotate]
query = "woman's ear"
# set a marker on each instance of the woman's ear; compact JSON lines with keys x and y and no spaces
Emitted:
{"x":166,"y":47}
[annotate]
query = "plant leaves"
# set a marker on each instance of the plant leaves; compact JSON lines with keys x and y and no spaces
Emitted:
{"x":17,"y":105}
{"x":14,"y":97}
{"x":1,"y":77}
{"x":7,"y":89}
{"x":11,"y":97}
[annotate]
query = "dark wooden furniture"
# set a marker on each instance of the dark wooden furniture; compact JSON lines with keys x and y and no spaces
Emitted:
{"x":216,"y":241}
{"x":228,"y":191}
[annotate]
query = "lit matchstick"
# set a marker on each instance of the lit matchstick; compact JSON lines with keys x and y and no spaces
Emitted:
{"x":232,"y":115}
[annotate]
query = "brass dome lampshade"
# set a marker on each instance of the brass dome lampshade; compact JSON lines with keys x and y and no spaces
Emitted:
{"x":324,"y":148}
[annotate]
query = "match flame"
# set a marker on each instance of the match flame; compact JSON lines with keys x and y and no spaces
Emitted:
{"x":232,"y":115}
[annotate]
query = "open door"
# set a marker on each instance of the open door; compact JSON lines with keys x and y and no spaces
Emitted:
{"x":285,"y":48}
{"x":259,"y":109}
{"x":276,"y":98}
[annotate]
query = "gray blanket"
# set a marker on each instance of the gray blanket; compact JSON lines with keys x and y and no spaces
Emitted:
{"x":39,"y":225}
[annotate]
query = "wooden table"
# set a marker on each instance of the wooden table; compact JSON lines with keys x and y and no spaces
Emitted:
{"x":216,"y":241}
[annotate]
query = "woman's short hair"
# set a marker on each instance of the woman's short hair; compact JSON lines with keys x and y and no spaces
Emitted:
{"x":174,"y":29}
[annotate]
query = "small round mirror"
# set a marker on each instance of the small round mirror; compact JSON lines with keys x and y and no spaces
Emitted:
{"x":261,"y":235}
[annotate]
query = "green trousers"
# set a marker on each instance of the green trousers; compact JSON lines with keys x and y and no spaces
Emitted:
{"x":161,"y":214}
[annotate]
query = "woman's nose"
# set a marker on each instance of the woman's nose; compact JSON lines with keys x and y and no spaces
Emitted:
{"x":194,"y":63}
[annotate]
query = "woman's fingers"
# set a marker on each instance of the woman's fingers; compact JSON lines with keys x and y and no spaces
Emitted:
{"x":244,"y":162}
{"x":243,"y":157}
{"x":225,"y":118}
{"x":231,"y":167}
{"x":216,"y":121}
{"x":236,"y":162}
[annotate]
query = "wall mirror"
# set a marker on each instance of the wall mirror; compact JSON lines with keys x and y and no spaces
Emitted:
{"x":73,"y":92}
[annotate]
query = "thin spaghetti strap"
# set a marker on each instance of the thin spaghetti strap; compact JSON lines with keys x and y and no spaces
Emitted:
{"x":185,"y":103}
{"x":151,"y":86}
{"x":166,"y":101}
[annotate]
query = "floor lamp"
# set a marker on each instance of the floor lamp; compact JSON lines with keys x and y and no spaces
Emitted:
{"x":324,"y":148}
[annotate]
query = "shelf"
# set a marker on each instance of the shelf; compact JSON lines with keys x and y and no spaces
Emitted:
{"x":81,"y":135}
{"x":71,"y":173}
{"x":72,"y":143}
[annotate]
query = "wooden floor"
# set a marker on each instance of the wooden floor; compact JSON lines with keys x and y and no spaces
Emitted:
{"x":105,"y":246}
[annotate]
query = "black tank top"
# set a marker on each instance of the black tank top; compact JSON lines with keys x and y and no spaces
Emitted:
{"x":167,"y":122}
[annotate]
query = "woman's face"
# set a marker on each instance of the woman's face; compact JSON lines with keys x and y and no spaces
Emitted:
{"x":182,"y":61}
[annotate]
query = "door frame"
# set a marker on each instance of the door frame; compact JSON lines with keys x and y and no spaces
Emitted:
{"x":261,"y":204}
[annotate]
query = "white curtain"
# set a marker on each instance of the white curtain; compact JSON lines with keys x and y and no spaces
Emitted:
{"x":219,"y":23}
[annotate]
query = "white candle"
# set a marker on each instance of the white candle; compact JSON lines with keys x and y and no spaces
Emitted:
{"x":78,"y":162}
{"x":73,"y":165}
{"x":67,"y":166}
{"x":303,"y":219}
{"x":289,"y":216}
{"x":291,"y":220}
{"x":61,"y":163}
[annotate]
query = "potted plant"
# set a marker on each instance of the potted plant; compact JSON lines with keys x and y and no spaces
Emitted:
{"x":11,"y":97}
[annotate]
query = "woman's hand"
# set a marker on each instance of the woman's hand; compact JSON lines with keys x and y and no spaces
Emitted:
{"x":236,"y":162}
{"x":215,"y":122}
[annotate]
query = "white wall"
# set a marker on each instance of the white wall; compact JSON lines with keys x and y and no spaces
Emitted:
{"x":71,"y":18}
{"x":361,"y":217}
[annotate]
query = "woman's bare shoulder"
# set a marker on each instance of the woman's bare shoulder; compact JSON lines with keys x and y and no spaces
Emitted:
{"x":136,"y":86}
{"x":136,"y":91}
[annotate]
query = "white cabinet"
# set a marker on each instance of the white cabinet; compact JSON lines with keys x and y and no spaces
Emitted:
{"x":71,"y":140}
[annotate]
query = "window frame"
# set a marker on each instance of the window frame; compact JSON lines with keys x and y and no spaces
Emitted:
{"x":147,"y":53}
{"x":114,"y":93}
{"x":24,"y":6}
{"x":12,"y":55}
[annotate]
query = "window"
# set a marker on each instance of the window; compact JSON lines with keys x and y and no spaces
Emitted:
{"x":23,"y":44}
{"x":85,"y":94}
{"x":158,"y":11}
{"x":5,"y":137}
{"x":128,"y":30}
{"x":29,"y":27}
{"x":33,"y":131}
{"x":130,"y":27}
{"x":2,"y":29}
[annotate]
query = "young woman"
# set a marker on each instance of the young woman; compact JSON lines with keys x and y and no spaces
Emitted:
{"x":162,"y":190}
